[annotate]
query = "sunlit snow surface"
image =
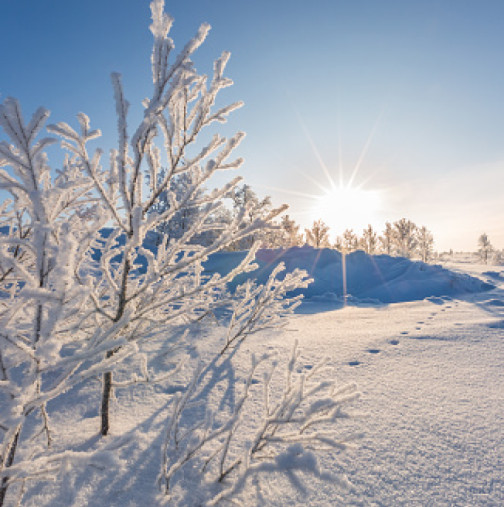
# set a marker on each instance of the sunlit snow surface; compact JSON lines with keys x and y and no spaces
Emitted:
{"x":431,"y":373}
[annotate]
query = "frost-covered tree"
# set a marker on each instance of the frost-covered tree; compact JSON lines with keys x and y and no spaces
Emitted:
{"x":405,"y":241}
{"x":350,"y":241}
{"x":290,"y":231}
{"x":387,"y":239}
{"x":43,"y":304}
{"x":485,"y":247}
{"x":369,"y":240}
{"x":339,"y":244}
{"x":497,"y":257}
{"x":247,"y":205}
{"x":425,"y":243}
{"x":80,"y":290}
{"x":284,"y":234}
{"x":318,"y":235}
{"x":179,"y":189}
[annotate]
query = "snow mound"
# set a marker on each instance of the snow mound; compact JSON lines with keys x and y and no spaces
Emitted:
{"x":370,"y":278}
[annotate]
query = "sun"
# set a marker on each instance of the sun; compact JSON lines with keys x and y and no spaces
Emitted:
{"x":347,"y":207}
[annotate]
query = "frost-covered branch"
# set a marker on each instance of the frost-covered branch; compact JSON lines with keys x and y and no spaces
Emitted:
{"x":295,"y":428}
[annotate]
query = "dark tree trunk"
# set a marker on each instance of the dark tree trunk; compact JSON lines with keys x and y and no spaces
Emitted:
{"x":8,"y":462}
{"x":107,"y":377}
{"x":106,"y":394}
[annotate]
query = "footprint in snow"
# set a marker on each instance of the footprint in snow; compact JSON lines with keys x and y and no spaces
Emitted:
{"x":421,"y":322}
{"x":354,"y":363}
{"x":308,"y":366}
{"x":394,"y":342}
{"x":497,"y":325}
{"x":404,"y":332}
{"x":373,"y":351}
{"x":174,"y":388}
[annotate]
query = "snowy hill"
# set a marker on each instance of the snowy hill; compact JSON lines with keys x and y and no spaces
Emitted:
{"x":370,"y":278}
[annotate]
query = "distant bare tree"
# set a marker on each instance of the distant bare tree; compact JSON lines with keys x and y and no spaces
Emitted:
{"x":405,"y":241}
{"x":387,"y":239}
{"x":338,"y":244}
{"x":290,"y":231}
{"x":369,"y":240}
{"x":318,"y":235}
{"x":425,"y":243}
{"x":485,"y":247}
{"x":350,"y":241}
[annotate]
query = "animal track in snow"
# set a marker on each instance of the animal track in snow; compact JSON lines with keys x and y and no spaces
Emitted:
{"x":394,"y":342}
{"x":496,"y":325}
{"x":404,"y":332}
{"x":354,"y":363}
{"x":373,"y":351}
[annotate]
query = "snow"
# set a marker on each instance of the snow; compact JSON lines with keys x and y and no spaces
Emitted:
{"x":370,"y":278}
{"x":429,"y":365}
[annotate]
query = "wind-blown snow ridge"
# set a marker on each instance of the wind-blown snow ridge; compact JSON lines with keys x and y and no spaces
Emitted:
{"x":382,"y":278}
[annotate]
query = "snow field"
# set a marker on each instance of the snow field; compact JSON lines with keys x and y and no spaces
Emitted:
{"x":431,"y":374}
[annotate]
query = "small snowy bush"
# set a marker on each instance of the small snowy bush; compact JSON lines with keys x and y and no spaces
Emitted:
{"x":220,"y":455}
{"x":82,"y":289}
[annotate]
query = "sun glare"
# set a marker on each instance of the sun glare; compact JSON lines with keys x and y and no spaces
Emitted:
{"x":345,"y":207}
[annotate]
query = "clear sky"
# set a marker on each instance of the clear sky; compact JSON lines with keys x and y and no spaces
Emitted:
{"x":403,"y":99}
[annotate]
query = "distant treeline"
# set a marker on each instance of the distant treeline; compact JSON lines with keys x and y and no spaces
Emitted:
{"x":402,"y":238}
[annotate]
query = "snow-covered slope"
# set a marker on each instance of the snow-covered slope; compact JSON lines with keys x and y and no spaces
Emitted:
{"x":370,"y":278}
{"x":381,"y":278}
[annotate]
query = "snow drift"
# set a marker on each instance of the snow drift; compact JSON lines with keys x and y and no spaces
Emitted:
{"x":379,"y":278}
{"x":370,"y":278}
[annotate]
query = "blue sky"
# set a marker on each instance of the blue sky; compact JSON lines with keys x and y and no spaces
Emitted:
{"x":409,"y":92}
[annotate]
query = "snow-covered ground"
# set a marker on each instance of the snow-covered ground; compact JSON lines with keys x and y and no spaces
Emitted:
{"x":432,"y":383}
{"x":431,"y":374}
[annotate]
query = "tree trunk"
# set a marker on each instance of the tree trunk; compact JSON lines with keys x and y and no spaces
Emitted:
{"x":107,"y":377}
{"x":8,"y":462}
{"x":106,"y":394}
